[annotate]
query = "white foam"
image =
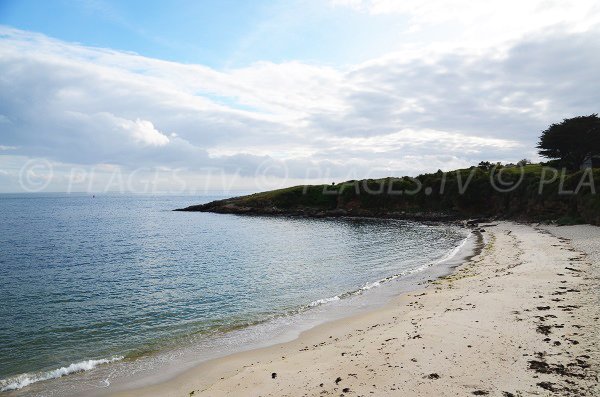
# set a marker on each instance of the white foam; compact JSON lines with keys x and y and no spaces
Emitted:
{"x":368,"y":286}
{"x":20,"y":381}
{"x":322,"y":301}
{"x":456,"y":250}
{"x":450,"y":255}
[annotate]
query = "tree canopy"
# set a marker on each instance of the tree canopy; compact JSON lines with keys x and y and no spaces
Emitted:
{"x":572,"y":141}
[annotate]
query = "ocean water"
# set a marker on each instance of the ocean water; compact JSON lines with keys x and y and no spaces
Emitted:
{"x":96,"y":291}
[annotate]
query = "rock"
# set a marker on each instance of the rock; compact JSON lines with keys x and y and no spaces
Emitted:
{"x":337,"y":212}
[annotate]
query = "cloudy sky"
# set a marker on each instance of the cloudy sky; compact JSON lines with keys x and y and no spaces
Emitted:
{"x":186,"y":95}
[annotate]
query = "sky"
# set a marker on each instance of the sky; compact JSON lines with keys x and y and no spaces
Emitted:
{"x":201,"y":96}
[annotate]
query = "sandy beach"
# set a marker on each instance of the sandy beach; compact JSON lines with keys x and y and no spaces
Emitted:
{"x":519,"y":319}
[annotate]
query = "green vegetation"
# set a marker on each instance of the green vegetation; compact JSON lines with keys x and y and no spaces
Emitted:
{"x":571,"y":141}
{"x":524,"y":191}
{"x":530,"y":192}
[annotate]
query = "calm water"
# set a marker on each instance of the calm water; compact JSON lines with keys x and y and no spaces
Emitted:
{"x":122,"y":277}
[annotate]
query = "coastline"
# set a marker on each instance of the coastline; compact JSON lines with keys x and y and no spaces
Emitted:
{"x":372,"y":296}
{"x":511,"y":320}
{"x":162,"y":365}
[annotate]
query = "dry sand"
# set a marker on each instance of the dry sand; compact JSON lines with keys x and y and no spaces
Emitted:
{"x":519,"y":319}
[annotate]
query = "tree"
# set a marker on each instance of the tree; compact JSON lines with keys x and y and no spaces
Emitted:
{"x":572,"y":141}
{"x":485,"y":165}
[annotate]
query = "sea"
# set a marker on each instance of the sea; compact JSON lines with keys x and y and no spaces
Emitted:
{"x":105,"y":292}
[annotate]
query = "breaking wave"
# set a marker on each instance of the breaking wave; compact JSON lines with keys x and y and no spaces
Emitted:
{"x":20,"y":381}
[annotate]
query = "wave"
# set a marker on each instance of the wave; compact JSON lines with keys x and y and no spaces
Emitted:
{"x":20,"y":381}
{"x":26,"y":379}
{"x":456,"y":249}
{"x":378,"y":283}
{"x":322,"y":301}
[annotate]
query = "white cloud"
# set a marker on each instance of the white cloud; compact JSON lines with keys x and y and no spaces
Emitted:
{"x":80,"y":105}
{"x":144,"y":132}
{"x":516,"y":16}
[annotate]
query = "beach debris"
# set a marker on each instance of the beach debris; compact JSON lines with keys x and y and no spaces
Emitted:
{"x":433,"y":376}
{"x":274,"y":375}
{"x":480,"y":393}
{"x":547,"y":386}
{"x":559,"y":369}
{"x":544,"y":329}
{"x":338,"y":380}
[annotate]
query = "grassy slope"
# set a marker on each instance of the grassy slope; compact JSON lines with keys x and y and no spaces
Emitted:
{"x":438,"y":194}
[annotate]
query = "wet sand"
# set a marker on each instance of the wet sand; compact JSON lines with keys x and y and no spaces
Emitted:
{"x":521,"y":318}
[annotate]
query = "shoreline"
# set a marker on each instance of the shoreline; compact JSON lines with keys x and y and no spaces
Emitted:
{"x":373,"y":296}
{"x":431,"y":341}
{"x":423,"y":217}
